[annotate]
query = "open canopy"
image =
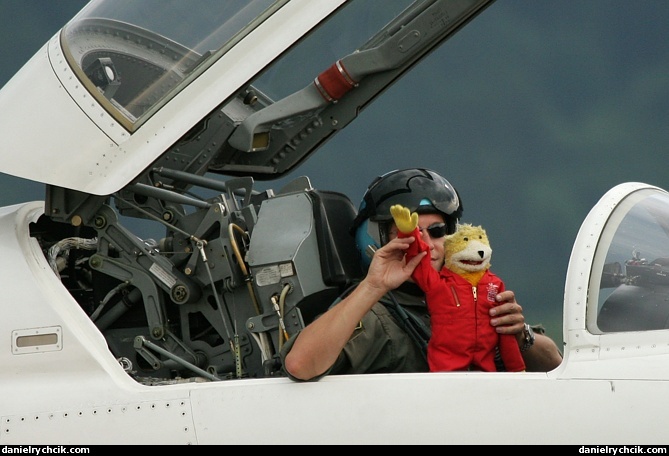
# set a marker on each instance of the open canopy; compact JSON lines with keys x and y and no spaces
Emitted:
{"x":246,"y":88}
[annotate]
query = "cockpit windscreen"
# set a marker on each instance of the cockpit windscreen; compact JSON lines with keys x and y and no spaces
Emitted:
{"x":629,"y":288}
{"x":135,"y":56}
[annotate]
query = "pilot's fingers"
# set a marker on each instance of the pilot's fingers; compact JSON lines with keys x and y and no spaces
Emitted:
{"x":395,"y":249}
{"x":507,"y":317}
{"x":388,"y":269}
{"x":411,"y":264}
{"x":508,"y":296}
{"x":509,"y":324}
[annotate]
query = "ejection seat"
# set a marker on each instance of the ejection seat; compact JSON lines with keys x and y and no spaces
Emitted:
{"x":302,"y":239}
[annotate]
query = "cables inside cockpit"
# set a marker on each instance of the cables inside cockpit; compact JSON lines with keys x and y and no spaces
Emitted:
{"x":60,"y":250}
{"x":279,"y":306}
{"x":262,"y":338}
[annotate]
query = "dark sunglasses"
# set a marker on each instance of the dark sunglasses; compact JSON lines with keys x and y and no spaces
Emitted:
{"x":436,"y":230}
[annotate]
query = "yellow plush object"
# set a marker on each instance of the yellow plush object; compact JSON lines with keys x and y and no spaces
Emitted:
{"x":467,"y":252}
{"x":405,"y":221}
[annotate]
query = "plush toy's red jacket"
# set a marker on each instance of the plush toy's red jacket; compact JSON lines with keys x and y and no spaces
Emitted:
{"x":462,"y":336}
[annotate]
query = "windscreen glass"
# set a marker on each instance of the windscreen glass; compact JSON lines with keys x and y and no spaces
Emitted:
{"x":631,"y":286}
{"x":134,"y":54}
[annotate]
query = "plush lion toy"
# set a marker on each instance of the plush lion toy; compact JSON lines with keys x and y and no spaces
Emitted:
{"x":458,"y":299}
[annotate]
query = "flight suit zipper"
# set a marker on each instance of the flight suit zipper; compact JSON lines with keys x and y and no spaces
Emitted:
{"x":455,"y":296}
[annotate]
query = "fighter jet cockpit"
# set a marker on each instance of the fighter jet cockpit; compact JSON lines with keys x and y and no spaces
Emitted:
{"x":167,"y":117}
{"x":630,"y":277}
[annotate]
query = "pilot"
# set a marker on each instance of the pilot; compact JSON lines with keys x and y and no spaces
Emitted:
{"x":381,"y":324}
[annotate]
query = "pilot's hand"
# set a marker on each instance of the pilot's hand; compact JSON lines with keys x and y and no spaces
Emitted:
{"x":507,"y":317}
{"x":405,"y":220}
{"x":388,"y":269}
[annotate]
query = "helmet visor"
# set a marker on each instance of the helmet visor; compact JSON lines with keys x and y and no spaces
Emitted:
{"x":422,"y":189}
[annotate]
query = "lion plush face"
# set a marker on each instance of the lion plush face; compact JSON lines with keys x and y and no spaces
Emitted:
{"x":467,"y":252}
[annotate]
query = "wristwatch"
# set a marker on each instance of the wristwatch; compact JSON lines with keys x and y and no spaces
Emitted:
{"x":528,"y":338}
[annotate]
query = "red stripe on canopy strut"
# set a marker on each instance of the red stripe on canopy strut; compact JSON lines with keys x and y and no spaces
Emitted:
{"x":334,"y":82}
